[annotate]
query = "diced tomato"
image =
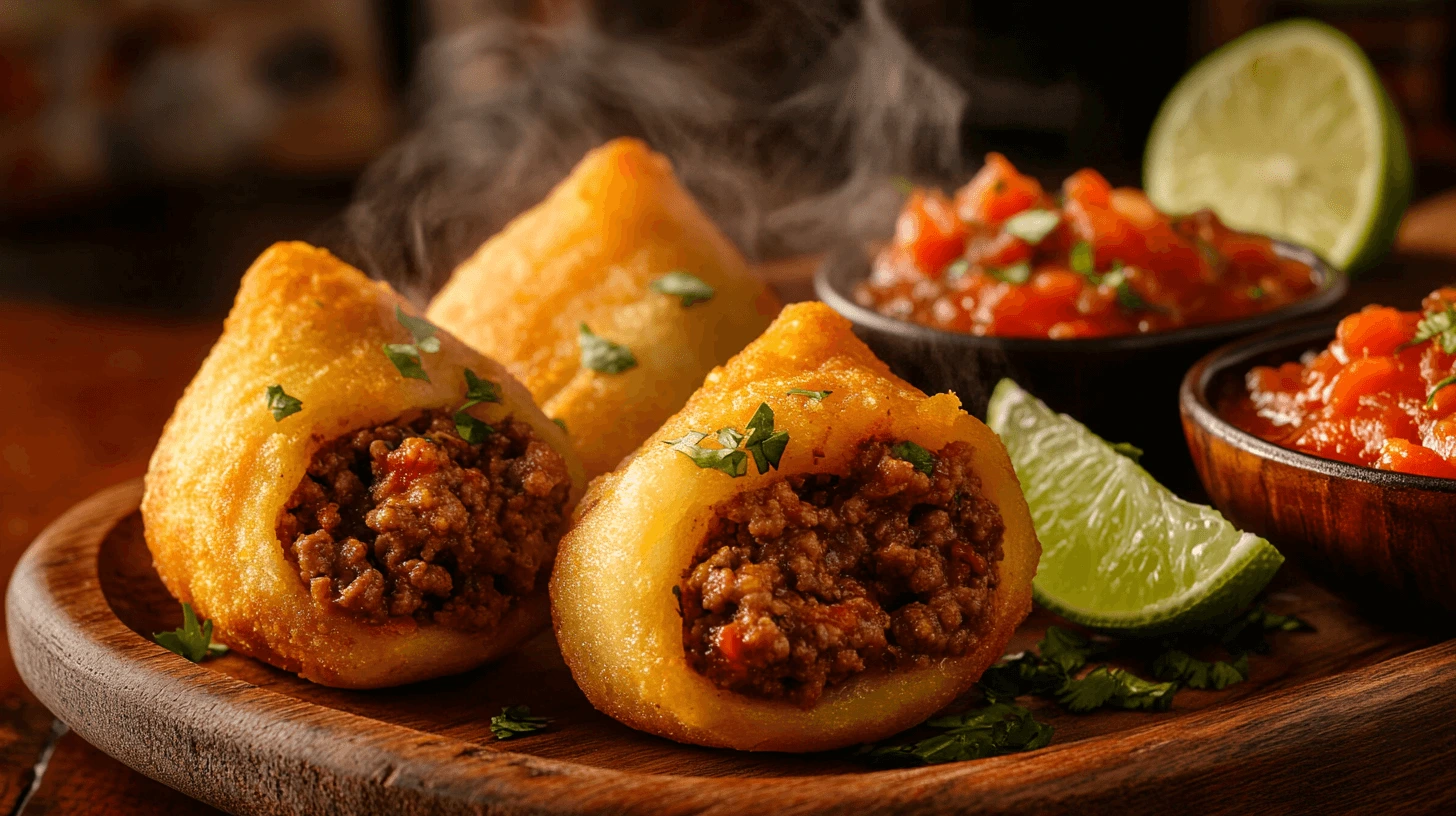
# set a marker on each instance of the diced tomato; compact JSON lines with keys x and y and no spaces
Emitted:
{"x":997,"y":192}
{"x":1134,"y":207}
{"x":929,"y":229}
{"x":1408,"y":457}
{"x":1375,"y":331}
{"x":1058,"y":284}
{"x":1087,"y":186}
{"x":1367,"y":375}
{"x":1003,"y":250}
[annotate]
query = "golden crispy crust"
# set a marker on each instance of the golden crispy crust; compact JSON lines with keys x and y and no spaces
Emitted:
{"x":615,"y":613}
{"x":587,"y":255}
{"x":224,"y":469}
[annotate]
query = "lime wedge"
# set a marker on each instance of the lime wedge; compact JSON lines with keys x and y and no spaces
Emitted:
{"x":1286,"y":132}
{"x":1120,"y":552}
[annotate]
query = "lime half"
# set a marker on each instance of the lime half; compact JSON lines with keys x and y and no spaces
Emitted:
{"x":1287,"y":132}
{"x":1120,"y":552}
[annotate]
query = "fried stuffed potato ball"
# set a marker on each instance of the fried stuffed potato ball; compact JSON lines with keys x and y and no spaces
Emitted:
{"x":621,"y":251}
{"x":350,"y":494}
{"x":810,"y":554}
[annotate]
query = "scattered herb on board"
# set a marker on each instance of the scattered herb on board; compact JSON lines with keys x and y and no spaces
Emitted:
{"x":683,"y":285}
{"x":281,"y":404}
{"x":513,"y":721}
{"x":193,"y":641}
{"x":422,"y":330}
{"x":406,"y":359}
{"x":1055,"y":672}
{"x":1032,"y":226}
{"x":600,"y":354}
{"x":922,"y":459}
{"x":1019,"y":272}
{"x":999,"y":728}
{"x":1438,"y":327}
{"x":814,"y":396}
{"x":1129,"y":450}
{"x":761,"y":441}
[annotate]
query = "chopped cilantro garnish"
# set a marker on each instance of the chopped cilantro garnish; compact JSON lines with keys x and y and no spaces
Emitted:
{"x":600,"y":354}
{"x":1129,"y":450}
{"x":478,"y":390}
{"x":1019,"y":272}
{"x":193,"y":641}
{"x":1127,"y":297}
{"x":1032,"y":226}
{"x":406,"y":359}
{"x":560,"y":423}
{"x":922,"y":459}
{"x":471,"y":429}
{"x":281,"y":404}
{"x":761,"y":441}
{"x":681,"y":284}
{"x":1115,"y":688}
{"x":814,"y":396}
{"x":1178,"y":665}
{"x":422,"y":330}
{"x":1439,"y":327}
{"x":999,"y":728}
{"x":513,"y":721}
{"x":1256,"y":292}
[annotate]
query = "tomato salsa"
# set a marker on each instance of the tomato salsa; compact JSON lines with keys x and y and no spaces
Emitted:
{"x":1003,"y":257}
{"x":1380,"y":395}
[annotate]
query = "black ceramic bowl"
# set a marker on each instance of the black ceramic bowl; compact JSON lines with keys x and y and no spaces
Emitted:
{"x":1123,"y":388}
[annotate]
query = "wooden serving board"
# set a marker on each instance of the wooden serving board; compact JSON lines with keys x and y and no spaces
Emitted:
{"x":1351,"y":718}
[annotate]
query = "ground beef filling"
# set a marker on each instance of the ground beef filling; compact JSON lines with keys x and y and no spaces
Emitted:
{"x":809,"y":581}
{"x":407,"y":519}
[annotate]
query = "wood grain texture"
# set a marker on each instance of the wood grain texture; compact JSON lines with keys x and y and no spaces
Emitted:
{"x":1381,"y":536}
{"x":1350,"y":719}
{"x":80,"y":780}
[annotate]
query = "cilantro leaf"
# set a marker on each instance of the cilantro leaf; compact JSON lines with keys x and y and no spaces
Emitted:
{"x":1256,"y":292}
{"x":1127,"y":297}
{"x":513,"y":721}
{"x":729,"y":437}
{"x":478,"y":390}
{"x":281,"y":404}
{"x":1178,"y":665}
{"x":957,"y":270}
{"x":814,"y":396}
{"x":193,"y":641}
{"x":1032,"y":226}
{"x":681,"y":284}
{"x":1115,"y":688}
{"x":422,"y":330}
{"x":1019,"y":272}
{"x":560,"y":423}
{"x":406,"y":359}
{"x":1020,"y":674}
{"x":730,"y":461}
{"x":922,"y":459}
{"x":471,"y":429}
{"x":1430,"y":398}
{"x":999,"y":728}
{"x":766,"y":444}
{"x":1081,"y":260}
{"x":1248,"y":632}
{"x":1067,"y":649}
{"x":1439,"y":327}
{"x":1129,"y":450}
{"x":601,"y":354}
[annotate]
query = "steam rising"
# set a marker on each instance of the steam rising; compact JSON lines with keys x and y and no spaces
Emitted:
{"x":787,"y":135}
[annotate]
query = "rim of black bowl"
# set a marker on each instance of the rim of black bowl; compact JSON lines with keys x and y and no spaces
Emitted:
{"x":1193,"y":399}
{"x":847,"y":266}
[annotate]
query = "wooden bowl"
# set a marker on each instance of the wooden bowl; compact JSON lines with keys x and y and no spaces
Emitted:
{"x":1123,"y":388}
{"x":1381,"y":537}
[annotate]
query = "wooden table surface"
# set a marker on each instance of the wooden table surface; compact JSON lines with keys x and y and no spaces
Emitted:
{"x":82,"y":401}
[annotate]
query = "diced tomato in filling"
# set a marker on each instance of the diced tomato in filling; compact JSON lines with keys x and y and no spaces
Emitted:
{"x":1096,"y":261}
{"x":1380,"y":395}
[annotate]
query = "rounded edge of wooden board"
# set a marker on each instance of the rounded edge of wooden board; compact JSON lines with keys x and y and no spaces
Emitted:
{"x":249,"y":750}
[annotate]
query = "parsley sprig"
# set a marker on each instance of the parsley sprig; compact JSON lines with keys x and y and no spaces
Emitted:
{"x":922,"y":459}
{"x":761,"y":441}
{"x":999,"y":728}
{"x":513,"y":721}
{"x":193,"y":640}
{"x":1437,"y":326}
{"x":408,"y":357}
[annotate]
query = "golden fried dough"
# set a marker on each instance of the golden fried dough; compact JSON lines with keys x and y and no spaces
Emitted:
{"x":588,"y":254}
{"x":226,"y":468}
{"x":621,"y":570}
